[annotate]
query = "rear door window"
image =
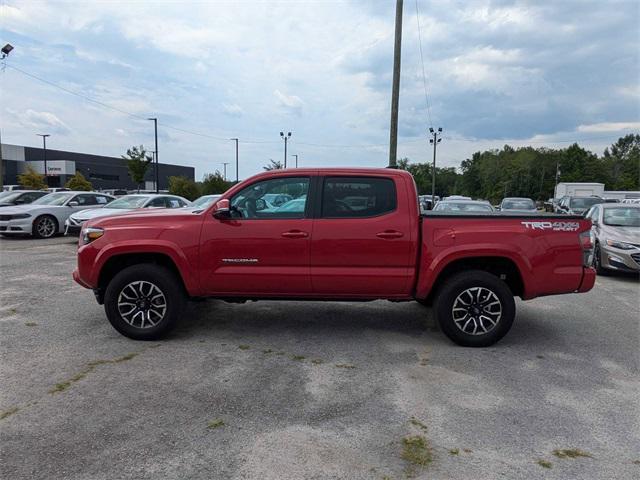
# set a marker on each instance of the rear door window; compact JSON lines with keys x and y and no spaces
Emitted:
{"x":357,"y":197}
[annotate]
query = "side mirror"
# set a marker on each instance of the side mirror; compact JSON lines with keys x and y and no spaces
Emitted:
{"x":222,"y":209}
{"x":73,"y":204}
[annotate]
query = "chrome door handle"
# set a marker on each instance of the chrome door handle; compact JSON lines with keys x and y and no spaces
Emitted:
{"x":295,"y":234}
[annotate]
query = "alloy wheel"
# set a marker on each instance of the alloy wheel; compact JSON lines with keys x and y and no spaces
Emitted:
{"x":46,"y":227}
{"x":142,"y":304}
{"x":476,"y":311}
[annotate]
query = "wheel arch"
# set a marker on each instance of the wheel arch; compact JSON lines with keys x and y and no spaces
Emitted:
{"x":502,"y":267}
{"x":116,"y":263}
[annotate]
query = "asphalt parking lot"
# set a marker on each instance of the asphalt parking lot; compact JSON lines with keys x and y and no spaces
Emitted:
{"x":292,"y":390}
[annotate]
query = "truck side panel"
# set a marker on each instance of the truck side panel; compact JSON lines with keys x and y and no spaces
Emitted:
{"x":546,"y":250}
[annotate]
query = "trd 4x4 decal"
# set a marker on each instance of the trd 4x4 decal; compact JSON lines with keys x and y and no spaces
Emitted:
{"x":555,"y":226}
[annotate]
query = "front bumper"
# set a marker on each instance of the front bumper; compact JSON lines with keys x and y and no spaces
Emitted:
{"x":617,"y":259}
{"x":17,"y":226}
{"x":73,"y":226}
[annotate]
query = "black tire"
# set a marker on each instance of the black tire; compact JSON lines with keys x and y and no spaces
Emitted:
{"x":597,"y":260}
{"x":39,"y":232}
{"x":164,"y":281}
{"x":461,"y":288}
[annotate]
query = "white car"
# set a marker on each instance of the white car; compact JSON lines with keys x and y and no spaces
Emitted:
{"x":46,"y":216}
{"x":122,"y":205}
{"x":204,"y":201}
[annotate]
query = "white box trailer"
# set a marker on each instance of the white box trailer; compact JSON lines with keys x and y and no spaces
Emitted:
{"x":579,"y":189}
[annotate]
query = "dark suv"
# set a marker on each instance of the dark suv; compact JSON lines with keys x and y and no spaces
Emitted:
{"x":577,"y":205}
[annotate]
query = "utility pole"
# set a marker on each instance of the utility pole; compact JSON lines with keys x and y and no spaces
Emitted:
{"x":44,"y":153}
{"x":286,"y":139}
{"x":155,"y":129}
{"x":225,"y":170}
{"x":435,"y":141}
{"x":236,"y":140}
{"x":6,"y":50}
{"x":295,"y":155}
{"x":555,"y":188}
{"x":395,"y":92}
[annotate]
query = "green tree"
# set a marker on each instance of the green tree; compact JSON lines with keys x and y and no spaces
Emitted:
{"x":79,"y":182}
{"x":622,"y":163}
{"x":31,"y":179}
{"x":184,"y":187}
{"x":273,"y":165}
{"x":213,"y":183}
{"x":138,"y":163}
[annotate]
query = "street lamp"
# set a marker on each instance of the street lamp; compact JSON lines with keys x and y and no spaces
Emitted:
{"x":6,"y":50}
{"x":434,"y":141}
{"x":155,"y":126}
{"x":285,"y":138}
{"x":44,"y":151}
{"x":236,"y":140}
{"x":225,"y":170}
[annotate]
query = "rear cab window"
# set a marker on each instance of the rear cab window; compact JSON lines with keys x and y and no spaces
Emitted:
{"x":358,"y":197}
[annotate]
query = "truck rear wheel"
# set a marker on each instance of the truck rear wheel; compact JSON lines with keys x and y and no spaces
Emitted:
{"x":475,"y":308}
{"x":144,"y":301}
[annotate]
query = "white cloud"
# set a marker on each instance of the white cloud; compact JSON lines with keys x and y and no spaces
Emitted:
{"x":233,"y":109}
{"x":609,"y":127}
{"x":46,"y":121}
{"x":291,"y":102}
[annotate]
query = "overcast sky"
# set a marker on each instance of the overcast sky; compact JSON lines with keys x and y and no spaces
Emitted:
{"x":540,"y":73}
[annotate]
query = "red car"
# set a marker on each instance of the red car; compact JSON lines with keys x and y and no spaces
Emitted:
{"x":345,"y":234}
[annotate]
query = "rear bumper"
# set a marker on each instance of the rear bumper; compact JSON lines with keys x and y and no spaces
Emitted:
{"x":588,"y":280}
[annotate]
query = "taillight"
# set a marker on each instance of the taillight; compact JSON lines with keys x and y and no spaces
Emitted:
{"x":587,"y":242}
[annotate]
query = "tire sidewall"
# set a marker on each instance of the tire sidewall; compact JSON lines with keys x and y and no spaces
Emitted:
{"x":37,"y":221}
{"x":162,"y":278}
{"x":460,"y":282}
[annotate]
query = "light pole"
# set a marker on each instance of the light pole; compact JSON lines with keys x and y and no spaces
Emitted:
{"x":225,"y":170}
{"x":6,"y":50}
{"x":295,"y":155}
{"x":236,"y":140}
{"x":435,"y":141}
{"x":286,"y":139}
{"x":155,"y":129}
{"x":44,"y":153}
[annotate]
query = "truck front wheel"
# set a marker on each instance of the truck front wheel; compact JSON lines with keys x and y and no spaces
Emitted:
{"x":475,"y":308}
{"x":144,"y":301}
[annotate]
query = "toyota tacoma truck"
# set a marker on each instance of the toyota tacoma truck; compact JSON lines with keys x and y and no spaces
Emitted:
{"x":331,"y":234}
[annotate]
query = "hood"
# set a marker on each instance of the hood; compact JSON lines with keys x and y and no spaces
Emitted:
{"x":621,"y":234}
{"x":145,"y":216}
{"x":29,"y":208}
{"x":98,"y":212}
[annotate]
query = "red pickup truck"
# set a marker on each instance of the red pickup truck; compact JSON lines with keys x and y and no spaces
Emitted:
{"x":331,"y":234}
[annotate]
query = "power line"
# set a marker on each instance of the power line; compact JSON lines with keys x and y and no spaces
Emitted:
{"x":424,"y":76}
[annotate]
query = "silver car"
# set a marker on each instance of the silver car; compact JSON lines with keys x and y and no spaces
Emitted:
{"x":122,"y":205}
{"x":46,"y":216}
{"x":616,"y":230}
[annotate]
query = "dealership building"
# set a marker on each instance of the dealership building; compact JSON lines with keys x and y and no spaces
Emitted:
{"x":103,"y":172}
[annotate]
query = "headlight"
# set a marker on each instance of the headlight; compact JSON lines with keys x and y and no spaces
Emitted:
{"x":620,"y":245}
{"x":20,"y":215}
{"x":90,"y":234}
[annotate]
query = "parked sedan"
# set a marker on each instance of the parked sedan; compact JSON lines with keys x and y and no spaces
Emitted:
{"x":122,"y":205}
{"x":46,"y":216}
{"x":616,"y":228}
{"x":463,"y":206}
{"x":517,"y":205}
{"x":577,"y":205}
{"x":20,"y":197}
{"x":204,"y":201}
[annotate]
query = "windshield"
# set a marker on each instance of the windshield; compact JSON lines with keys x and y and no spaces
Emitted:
{"x":462,"y":207}
{"x":11,"y":197}
{"x":204,"y":202}
{"x":55,"y":199}
{"x":584,"y":203}
{"x":622,"y":217}
{"x":128,"y":201}
{"x":520,"y":204}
